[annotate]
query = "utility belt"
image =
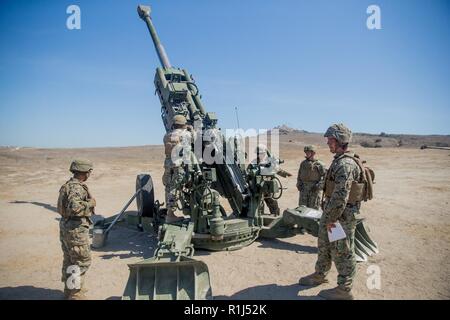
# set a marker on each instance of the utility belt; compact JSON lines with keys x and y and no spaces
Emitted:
{"x":310,"y":181}
{"x":356,"y":191}
{"x":80,"y":219}
{"x":310,"y":176}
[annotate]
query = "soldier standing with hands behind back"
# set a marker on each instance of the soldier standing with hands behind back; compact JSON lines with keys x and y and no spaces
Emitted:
{"x":76,"y":205}
{"x":310,"y":179}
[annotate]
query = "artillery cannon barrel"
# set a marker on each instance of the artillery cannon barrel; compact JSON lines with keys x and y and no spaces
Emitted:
{"x":144,"y":13}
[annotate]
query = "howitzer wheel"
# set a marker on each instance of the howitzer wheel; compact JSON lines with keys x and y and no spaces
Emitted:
{"x":145,"y":199}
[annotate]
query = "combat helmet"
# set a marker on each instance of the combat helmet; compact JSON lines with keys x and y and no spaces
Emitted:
{"x":309,"y":148}
{"x":80,"y":165}
{"x":179,"y":119}
{"x":340,"y":132}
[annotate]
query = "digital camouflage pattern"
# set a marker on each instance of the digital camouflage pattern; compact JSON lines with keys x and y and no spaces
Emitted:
{"x":343,"y":171}
{"x":76,"y":205}
{"x":179,"y":119}
{"x":309,"y":148}
{"x":340,"y":132}
{"x":310,"y":182}
{"x":81,"y":165}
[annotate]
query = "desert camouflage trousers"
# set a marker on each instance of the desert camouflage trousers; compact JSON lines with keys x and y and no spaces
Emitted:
{"x":310,"y":196}
{"x":171,"y":180}
{"x":74,"y":237}
{"x":342,"y":252}
{"x":272,"y":204}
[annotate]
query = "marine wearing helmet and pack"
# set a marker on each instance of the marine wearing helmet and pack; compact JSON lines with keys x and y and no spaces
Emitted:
{"x":75,"y":205}
{"x":311,"y":179}
{"x":177,"y":147}
{"x":338,"y":206}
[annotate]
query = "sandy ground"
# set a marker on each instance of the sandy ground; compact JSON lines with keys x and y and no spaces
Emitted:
{"x":410,"y":220}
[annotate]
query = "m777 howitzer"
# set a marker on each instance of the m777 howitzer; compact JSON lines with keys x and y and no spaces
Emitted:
{"x":172,"y":273}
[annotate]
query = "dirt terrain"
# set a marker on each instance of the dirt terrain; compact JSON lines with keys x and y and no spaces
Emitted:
{"x":409,"y":219}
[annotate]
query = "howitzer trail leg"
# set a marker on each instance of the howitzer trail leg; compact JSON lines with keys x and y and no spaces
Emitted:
{"x":171,"y":274}
{"x":364,"y":246}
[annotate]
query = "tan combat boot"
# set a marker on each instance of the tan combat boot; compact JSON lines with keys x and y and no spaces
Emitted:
{"x":77,"y":295}
{"x":66,"y":294}
{"x":337,"y":293}
{"x":314,"y":279}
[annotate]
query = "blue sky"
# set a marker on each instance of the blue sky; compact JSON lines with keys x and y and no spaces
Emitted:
{"x":306,"y":64}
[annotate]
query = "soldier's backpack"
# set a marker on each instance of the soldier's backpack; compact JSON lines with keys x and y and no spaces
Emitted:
{"x":361,"y":190}
{"x":366,"y":181}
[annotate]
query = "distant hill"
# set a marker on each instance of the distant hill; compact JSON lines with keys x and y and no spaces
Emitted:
{"x":284,"y":129}
{"x":295,"y":136}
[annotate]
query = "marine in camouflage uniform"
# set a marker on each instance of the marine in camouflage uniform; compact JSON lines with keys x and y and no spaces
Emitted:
{"x":342,"y":173}
{"x":176,"y":143}
{"x":76,"y":205}
{"x":262,"y":160}
{"x":310,"y":179}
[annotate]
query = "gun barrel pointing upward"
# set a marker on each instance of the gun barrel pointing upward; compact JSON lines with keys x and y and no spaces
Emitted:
{"x":144,"y":13}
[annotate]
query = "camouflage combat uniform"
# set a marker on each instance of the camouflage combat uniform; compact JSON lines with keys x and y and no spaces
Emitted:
{"x":176,"y":141}
{"x":343,"y":171}
{"x":76,"y":204}
{"x":310,"y":182}
{"x":271,"y":203}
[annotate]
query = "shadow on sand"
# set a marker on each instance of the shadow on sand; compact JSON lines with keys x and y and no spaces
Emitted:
{"x":281,"y":245}
{"x":46,"y":206}
{"x":30,"y":293}
{"x":127,"y":242}
{"x":36,"y":203}
{"x":270,"y":292}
